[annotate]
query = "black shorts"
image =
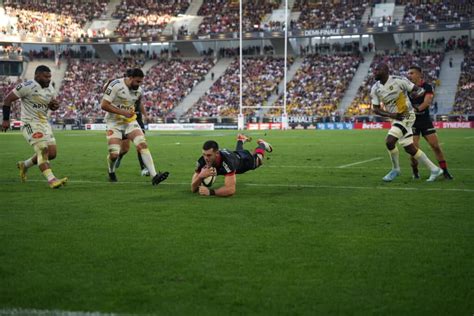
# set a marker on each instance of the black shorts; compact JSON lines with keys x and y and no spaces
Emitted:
{"x":426,"y":128}
{"x":247,"y":161}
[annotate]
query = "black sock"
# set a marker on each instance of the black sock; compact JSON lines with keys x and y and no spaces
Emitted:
{"x":240,"y":145}
{"x":140,"y":161}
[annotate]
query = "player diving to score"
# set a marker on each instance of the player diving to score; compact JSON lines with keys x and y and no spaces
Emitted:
{"x":119,"y":102}
{"x":215,"y":162}
{"x":391,"y":91}
{"x":37,"y":97}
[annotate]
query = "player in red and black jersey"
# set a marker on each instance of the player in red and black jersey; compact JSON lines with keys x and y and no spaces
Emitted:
{"x":423,"y":125}
{"x":228,"y":163}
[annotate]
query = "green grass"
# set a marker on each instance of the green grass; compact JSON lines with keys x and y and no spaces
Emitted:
{"x":301,"y":236}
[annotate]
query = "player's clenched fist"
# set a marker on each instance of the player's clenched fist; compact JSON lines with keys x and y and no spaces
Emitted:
{"x":53,"y":105}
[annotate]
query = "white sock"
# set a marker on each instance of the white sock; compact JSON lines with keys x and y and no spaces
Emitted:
{"x":421,"y":157}
{"x":394,"y":157}
{"x":48,"y":174}
{"x":111,"y":164}
{"x":148,"y":161}
{"x":29,"y":162}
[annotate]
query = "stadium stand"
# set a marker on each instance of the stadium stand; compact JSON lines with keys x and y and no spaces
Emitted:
{"x":223,"y":16}
{"x":147,"y":18}
{"x":317,"y":15}
{"x":260,"y":78}
{"x":464,"y":99}
{"x":165,"y":85}
{"x":422,"y":11}
{"x":319,"y":85}
{"x":399,"y":64}
{"x":51,"y":18}
{"x":6,"y":85}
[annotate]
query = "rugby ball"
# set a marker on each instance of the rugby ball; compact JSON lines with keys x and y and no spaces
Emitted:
{"x":209,"y":181}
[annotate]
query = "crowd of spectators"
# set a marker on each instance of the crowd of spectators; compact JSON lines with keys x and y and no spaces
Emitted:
{"x":329,"y":14}
{"x":82,"y":88}
{"x":222,"y":16}
{"x":432,"y":11}
{"x":7,"y":84}
{"x":11,"y":50}
{"x":165,"y":85}
{"x":464,"y":100}
{"x":51,"y":18}
{"x":319,"y":85}
{"x":261,"y":76}
{"x":169,"y":81}
{"x":147,"y":18}
{"x":398,"y":64}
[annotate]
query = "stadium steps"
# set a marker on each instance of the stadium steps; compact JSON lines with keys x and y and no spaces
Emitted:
{"x":366,"y":16}
{"x":203,"y":86}
{"x":289,"y":76}
{"x":398,"y":13}
{"x":57,"y":74}
{"x":356,"y":82}
{"x":111,"y":8}
{"x":190,"y":20}
{"x":291,"y":3}
{"x":194,"y":7}
{"x":449,"y":77}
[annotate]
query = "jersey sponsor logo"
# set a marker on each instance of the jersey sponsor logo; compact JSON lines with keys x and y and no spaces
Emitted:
{"x":18,"y":87}
{"x":108,"y":91}
{"x":37,"y":135}
{"x":226,"y":167}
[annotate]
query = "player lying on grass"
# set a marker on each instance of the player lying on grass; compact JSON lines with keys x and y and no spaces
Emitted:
{"x":216,"y":162}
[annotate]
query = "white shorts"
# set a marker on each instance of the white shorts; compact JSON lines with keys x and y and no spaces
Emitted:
{"x":38,"y":132}
{"x":402,"y":130}
{"x":121,"y":130}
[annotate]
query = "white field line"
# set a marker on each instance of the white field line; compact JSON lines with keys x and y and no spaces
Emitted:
{"x":359,"y":162}
{"x":45,"y":312}
{"x":469,"y":137}
{"x":274,"y":185}
{"x":360,"y":167}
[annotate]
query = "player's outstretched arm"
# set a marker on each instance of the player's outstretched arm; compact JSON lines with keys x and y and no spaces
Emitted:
{"x":227,"y":190}
{"x":7,"y":103}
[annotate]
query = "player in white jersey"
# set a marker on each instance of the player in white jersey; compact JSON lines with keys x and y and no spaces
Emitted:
{"x":391,"y":91}
{"x":119,"y":102}
{"x":37,"y":97}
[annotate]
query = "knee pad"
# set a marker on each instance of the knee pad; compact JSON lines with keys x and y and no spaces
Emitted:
{"x":114,"y":149}
{"x":41,"y":150}
{"x":139,"y":140}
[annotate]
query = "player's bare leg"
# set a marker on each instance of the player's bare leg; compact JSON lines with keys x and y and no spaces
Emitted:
{"x":419,"y":155}
{"x":114,"y":151}
{"x":24,"y":165}
{"x":391,"y":144}
{"x":43,"y":154}
{"x":124,"y":148}
{"x":432,"y":139}
{"x":138,"y":139}
{"x":413,"y":161}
